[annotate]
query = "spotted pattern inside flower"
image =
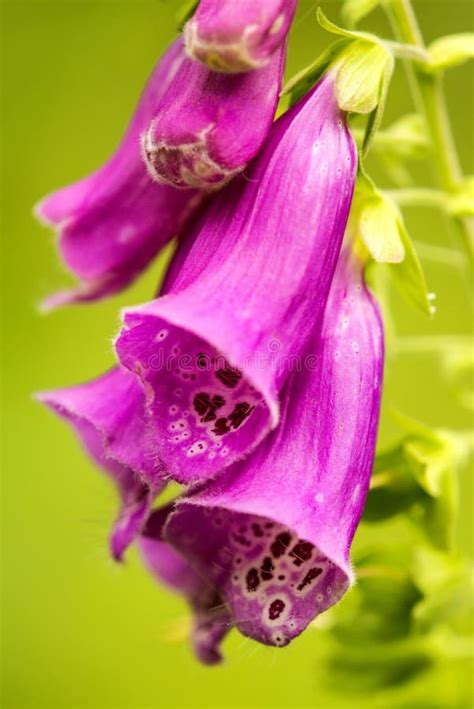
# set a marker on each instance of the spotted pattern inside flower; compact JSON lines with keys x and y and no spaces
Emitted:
{"x":205,"y":408}
{"x":274,"y":582}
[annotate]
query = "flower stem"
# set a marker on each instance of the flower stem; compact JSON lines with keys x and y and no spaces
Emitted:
{"x":428,"y":94}
{"x":418,"y":197}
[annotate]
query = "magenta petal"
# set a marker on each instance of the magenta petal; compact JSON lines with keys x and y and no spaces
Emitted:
{"x":137,"y":500}
{"x":113,"y":405}
{"x":274,"y":532}
{"x":209,"y":126}
{"x":253,"y":278}
{"x":112,"y":223}
{"x":238,"y":36}
{"x":211,"y":618}
{"x":109,"y":418}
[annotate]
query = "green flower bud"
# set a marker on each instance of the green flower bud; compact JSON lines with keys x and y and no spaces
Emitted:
{"x":361,"y":70}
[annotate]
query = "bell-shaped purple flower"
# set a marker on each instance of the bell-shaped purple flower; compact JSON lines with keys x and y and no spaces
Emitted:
{"x":248,"y":283}
{"x":114,"y":222}
{"x":234,"y":37}
{"x":273,"y":533}
{"x":108,"y":415}
{"x":211,"y":617}
{"x":207,"y":131}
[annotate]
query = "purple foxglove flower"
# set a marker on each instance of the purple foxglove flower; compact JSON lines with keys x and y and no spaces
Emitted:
{"x":248,"y":283}
{"x":273,"y":533}
{"x":206,"y":133}
{"x":211,"y":617}
{"x":112,"y":223}
{"x":109,"y":417}
{"x":238,"y":36}
{"x":198,"y":129}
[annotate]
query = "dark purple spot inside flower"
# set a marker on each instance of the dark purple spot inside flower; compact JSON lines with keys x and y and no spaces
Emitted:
{"x":221,"y":427}
{"x":301,"y":552}
{"x":241,"y":411}
{"x":257,"y":530}
{"x":201,"y":403}
{"x":279,"y":546}
{"x":252,"y":580}
{"x":229,"y":376}
{"x":217,"y":402}
{"x":203,"y":361}
{"x":309,"y":578}
{"x":276,"y":609}
{"x":267,"y":569}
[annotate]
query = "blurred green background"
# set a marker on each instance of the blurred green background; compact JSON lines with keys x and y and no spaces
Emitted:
{"x":78,"y":631}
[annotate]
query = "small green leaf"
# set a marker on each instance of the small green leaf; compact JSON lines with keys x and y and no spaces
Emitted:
{"x":409,"y":276}
{"x":376,"y":219}
{"x":450,"y":51}
{"x":331,"y":27}
{"x":353,"y":11}
{"x":379,"y":229}
{"x":362,"y":69}
{"x":375,"y":118}
{"x":365,"y":67}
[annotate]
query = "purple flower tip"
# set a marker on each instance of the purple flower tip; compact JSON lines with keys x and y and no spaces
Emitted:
{"x":209,"y":125}
{"x":109,"y":418}
{"x":211,"y":618}
{"x":235,"y":37}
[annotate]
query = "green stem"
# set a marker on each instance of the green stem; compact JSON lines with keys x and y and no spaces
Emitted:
{"x":428,"y":93}
{"x":418,"y":197}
